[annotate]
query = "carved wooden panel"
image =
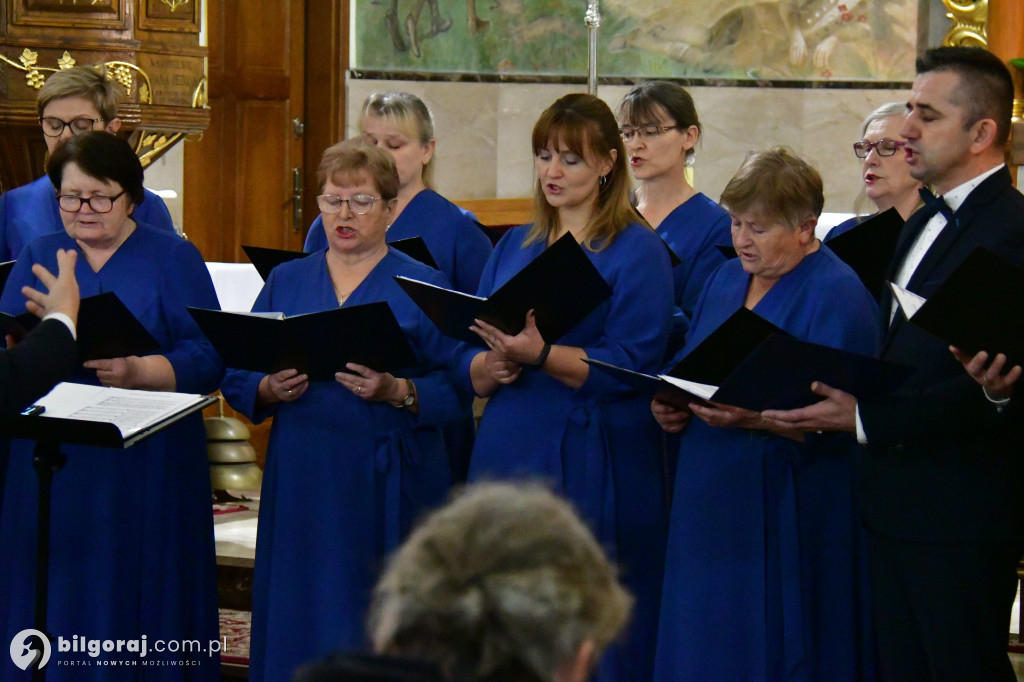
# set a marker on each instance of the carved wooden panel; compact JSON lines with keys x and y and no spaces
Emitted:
{"x":106,"y":14}
{"x":170,"y":15}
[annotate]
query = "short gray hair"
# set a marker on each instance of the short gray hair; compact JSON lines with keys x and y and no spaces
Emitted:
{"x":505,"y":582}
{"x":887,"y":110}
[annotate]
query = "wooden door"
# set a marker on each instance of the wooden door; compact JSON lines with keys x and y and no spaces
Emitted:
{"x":240,"y":177}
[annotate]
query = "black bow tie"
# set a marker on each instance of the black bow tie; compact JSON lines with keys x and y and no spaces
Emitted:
{"x":936,"y":204}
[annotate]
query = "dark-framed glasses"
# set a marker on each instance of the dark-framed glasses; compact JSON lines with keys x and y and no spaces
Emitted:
{"x":54,"y":127}
{"x":360,"y":204}
{"x":71,"y":203}
{"x":649,"y":131}
{"x":884,"y":147}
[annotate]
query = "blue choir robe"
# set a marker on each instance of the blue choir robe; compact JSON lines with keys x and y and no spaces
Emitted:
{"x":344,"y":477}
{"x":846,"y":226}
{"x":31,"y":211}
{"x":598,"y":444}
{"x":459,"y":247}
{"x":764,"y":578}
{"x":132,"y":550}
{"x":693,"y":230}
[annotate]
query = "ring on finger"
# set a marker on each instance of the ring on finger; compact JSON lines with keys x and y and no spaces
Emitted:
{"x":359,"y":389}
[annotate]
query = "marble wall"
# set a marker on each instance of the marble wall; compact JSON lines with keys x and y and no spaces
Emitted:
{"x":483,"y":131}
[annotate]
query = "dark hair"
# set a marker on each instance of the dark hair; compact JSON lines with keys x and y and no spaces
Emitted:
{"x":640,"y":106}
{"x":587,"y":127}
{"x":778,"y":184}
{"x":985,"y":89}
{"x":354,"y":156}
{"x":102,"y":156}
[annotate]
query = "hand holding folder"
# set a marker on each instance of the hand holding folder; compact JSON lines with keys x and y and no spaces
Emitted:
{"x":560,"y":285}
{"x":316,"y":344}
{"x":979,"y":307}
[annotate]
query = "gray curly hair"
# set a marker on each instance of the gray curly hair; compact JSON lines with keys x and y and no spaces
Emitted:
{"x":503,"y":583}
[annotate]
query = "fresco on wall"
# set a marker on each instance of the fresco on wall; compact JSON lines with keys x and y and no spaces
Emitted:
{"x":822,"y":40}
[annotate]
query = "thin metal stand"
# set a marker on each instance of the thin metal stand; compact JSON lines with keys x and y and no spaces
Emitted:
{"x":46,"y":460}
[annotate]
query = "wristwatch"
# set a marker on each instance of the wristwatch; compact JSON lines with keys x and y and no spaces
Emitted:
{"x":410,"y":399}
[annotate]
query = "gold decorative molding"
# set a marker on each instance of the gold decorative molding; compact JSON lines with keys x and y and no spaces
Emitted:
{"x":970,"y":20}
{"x":150,"y":146}
{"x":175,"y":4}
{"x":124,"y":73}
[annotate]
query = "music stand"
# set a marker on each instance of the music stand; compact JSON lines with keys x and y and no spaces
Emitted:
{"x":50,"y":433}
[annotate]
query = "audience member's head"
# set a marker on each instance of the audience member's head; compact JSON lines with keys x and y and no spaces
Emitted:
{"x":504,"y":583}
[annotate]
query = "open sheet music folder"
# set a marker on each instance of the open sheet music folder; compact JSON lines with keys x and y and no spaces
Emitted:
{"x":979,"y":307}
{"x":560,"y":285}
{"x":106,"y":329}
{"x":102,"y":415}
{"x":317,"y":344}
{"x":763,"y":369}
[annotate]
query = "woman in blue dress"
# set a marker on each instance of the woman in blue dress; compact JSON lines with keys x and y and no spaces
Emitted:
{"x":350,"y":462}
{"x":550,"y":417}
{"x":132,"y":552}
{"x":764,"y":577}
{"x":660,"y":131}
{"x":883,"y":166}
{"x":400,"y":123}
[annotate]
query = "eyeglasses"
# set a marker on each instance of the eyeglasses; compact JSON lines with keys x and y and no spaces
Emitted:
{"x":54,"y":127}
{"x":98,"y":203}
{"x":884,"y":147}
{"x":649,"y":131}
{"x":359,"y":204}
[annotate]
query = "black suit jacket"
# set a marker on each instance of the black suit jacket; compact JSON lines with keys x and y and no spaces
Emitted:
{"x":44,"y":358}
{"x":942,"y":463}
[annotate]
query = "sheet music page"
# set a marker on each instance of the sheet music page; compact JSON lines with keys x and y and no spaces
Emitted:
{"x":908,"y":300}
{"x":129,"y":410}
{"x":704,"y":391}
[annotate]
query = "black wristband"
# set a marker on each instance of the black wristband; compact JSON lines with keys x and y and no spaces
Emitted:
{"x":543,"y":357}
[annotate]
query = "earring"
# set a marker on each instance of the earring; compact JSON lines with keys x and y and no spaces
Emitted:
{"x":602,"y":181}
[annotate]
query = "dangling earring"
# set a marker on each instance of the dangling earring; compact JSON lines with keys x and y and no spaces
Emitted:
{"x":602,"y":181}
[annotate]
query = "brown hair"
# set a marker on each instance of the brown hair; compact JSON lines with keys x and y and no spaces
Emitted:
{"x":90,"y":82}
{"x":346,"y":160}
{"x":587,"y":127}
{"x":777,"y":183}
{"x":407,"y":112}
{"x":503,"y":583}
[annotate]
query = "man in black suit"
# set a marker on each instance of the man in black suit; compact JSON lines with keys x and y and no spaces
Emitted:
{"x":940,"y":479}
{"x":29,"y":369}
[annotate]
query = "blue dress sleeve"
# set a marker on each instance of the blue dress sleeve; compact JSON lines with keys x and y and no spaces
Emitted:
{"x":5,"y":249}
{"x":153,"y":212}
{"x":186,"y":282}
{"x":240,"y":387}
{"x":639,"y":320}
{"x":316,"y":239}
{"x":12,"y":302}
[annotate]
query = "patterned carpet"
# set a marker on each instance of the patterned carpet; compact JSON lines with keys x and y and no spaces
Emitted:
{"x":234,"y":627}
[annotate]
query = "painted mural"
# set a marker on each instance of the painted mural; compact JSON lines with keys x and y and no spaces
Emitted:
{"x":732,"y":39}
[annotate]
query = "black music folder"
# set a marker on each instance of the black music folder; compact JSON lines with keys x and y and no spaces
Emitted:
{"x":106,"y":329}
{"x":980,"y":307}
{"x":102,"y":415}
{"x":415,"y":248}
{"x":317,"y":344}
{"x":5,"y":272}
{"x":266,"y":259}
{"x":560,"y":285}
{"x":868,"y":248}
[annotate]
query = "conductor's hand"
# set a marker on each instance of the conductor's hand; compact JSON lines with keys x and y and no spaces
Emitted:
{"x":62,"y":296}
{"x":283,"y":387}
{"x":670,"y":418}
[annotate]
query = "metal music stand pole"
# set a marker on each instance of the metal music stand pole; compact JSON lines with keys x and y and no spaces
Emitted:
{"x":46,"y":460}
{"x":593,"y":22}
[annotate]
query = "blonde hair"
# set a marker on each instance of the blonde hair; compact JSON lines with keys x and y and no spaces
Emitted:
{"x":407,"y":112}
{"x":587,"y":128}
{"x":504,"y":582}
{"x":90,"y":82}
